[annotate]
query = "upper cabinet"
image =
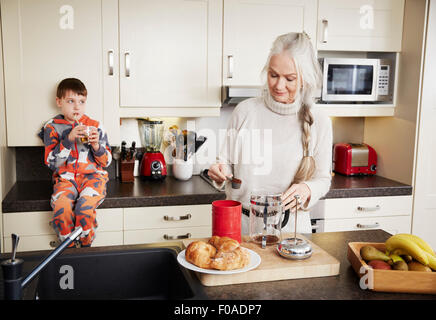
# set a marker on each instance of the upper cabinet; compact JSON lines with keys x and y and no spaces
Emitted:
{"x":170,"y":54}
{"x":44,"y":42}
{"x":360,"y":25}
{"x":250,"y":28}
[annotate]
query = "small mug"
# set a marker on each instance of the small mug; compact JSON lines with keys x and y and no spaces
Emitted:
{"x":182,"y":169}
{"x":87,"y":133}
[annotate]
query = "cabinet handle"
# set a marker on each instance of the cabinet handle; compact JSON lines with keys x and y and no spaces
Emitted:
{"x":325,"y":24}
{"x":229,"y":67}
{"x":111,"y":62}
{"x":186,"y":217}
{"x":127,"y":63}
{"x":183,"y":236}
{"x":368,"y":226}
{"x":368,"y":209}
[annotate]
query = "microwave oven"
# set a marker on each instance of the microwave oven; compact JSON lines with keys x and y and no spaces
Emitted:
{"x":356,"y":80}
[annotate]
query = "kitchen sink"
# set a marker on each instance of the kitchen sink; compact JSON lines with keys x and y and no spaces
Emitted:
{"x":144,"y":273}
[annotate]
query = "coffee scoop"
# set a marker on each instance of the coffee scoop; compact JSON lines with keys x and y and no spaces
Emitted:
{"x":236,"y":183}
{"x":295,"y":248}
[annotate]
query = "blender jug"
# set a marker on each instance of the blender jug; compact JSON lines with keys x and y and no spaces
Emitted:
{"x":266,"y":218}
{"x":153,"y":162}
{"x":151,"y":134}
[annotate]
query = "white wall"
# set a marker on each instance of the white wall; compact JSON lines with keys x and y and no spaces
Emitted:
{"x":7,"y":155}
{"x":394,"y":137}
{"x":344,"y":130}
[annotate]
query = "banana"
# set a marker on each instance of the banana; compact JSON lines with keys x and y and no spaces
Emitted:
{"x":406,"y":257}
{"x":407,"y":245}
{"x":431,"y":261}
{"x":420,"y":242}
{"x":395,"y":258}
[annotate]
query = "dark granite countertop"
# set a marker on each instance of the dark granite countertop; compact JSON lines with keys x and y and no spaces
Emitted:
{"x":35,"y":195}
{"x":366,"y":186}
{"x":342,"y":287}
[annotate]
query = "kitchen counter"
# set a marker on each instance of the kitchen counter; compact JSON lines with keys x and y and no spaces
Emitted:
{"x":366,"y":186}
{"x":342,"y":287}
{"x":35,"y":195}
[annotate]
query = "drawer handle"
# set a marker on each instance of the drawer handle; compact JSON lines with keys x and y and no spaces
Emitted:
{"x":183,"y":236}
{"x":368,"y":226}
{"x":368,"y":209}
{"x":186,"y":217}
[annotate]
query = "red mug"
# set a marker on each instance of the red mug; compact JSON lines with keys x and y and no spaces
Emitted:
{"x":226,"y":219}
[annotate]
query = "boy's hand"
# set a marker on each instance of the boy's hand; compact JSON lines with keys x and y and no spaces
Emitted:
{"x":93,"y":139}
{"x":77,"y":132}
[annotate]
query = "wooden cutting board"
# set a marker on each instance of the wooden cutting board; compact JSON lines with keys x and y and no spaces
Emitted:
{"x":274,"y":267}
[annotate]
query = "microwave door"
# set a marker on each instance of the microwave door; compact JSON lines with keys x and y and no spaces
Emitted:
{"x":349,"y":82}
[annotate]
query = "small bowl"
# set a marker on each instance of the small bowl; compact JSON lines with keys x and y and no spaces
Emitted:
{"x":182,"y":170}
{"x":300,"y":250}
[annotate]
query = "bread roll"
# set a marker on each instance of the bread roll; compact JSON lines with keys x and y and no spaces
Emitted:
{"x":200,"y":254}
{"x":225,"y":244}
{"x":221,"y":253}
{"x":230,"y":260}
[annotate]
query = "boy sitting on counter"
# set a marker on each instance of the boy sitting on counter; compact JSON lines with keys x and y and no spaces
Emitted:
{"x":77,"y":150}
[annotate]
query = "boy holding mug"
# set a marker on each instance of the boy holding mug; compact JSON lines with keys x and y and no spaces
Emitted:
{"x":78,"y":174}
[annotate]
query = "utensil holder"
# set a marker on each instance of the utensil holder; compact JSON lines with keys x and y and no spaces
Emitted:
{"x":182,"y":170}
{"x":126,"y":170}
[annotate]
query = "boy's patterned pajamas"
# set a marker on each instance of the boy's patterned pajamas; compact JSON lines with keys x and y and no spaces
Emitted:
{"x":79,"y":179}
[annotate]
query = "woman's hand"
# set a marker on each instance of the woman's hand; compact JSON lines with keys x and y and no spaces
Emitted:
{"x":300,"y":189}
{"x":77,"y":132}
{"x":94,"y":139}
{"x":217,"y":173}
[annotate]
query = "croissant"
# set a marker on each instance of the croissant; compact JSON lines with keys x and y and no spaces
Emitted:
{"x":225,"y":244}
{"x":230,"y":260}
{"x":200,"y":254}
{"x":221,"y":253}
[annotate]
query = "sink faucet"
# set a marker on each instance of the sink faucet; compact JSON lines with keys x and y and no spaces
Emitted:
{"x":13,"y":283}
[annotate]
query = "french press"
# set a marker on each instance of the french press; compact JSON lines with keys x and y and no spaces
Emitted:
{"x":266,"y":219}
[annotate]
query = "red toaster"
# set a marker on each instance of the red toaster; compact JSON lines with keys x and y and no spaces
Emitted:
{"x":354,"y":159}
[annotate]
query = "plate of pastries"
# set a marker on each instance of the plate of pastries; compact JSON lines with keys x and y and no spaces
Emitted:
{"x":219,"y":255}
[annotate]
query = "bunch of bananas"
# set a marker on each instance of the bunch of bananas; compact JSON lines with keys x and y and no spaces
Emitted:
{"x":411,"y":245}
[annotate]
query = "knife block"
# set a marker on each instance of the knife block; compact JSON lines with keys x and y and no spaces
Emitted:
{"x":126,"y":170}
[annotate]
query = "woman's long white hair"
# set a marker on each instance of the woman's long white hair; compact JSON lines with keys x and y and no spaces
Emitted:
{"x":301,"y":51}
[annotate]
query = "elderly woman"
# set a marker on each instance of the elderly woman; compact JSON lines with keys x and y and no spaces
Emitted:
{"x":296,"y":140}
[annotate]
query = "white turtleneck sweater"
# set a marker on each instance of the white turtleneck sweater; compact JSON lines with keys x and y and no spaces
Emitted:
{"x":263,"y":148}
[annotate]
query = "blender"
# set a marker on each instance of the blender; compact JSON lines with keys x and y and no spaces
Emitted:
{"x":153,"y":164}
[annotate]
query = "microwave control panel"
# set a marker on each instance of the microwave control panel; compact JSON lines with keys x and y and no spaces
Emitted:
{"x":383,"y":80}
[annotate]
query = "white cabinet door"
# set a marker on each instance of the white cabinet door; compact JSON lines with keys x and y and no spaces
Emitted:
{"x":424,"y":209}
{"x":45,"y":41}
{"x":170,"y":53}
{"x":360,"y":25}
{"x":250,"y":28}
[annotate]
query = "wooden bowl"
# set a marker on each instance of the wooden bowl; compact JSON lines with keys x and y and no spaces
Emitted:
{"x":388,"y":280}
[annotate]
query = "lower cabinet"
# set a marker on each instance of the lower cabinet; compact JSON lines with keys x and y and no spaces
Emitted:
{"x":36,"y":233}
{"x":393,"y":225}
{"x":392,"y":214}
{"x":116,"y":226}
{"x":158,"y":224}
